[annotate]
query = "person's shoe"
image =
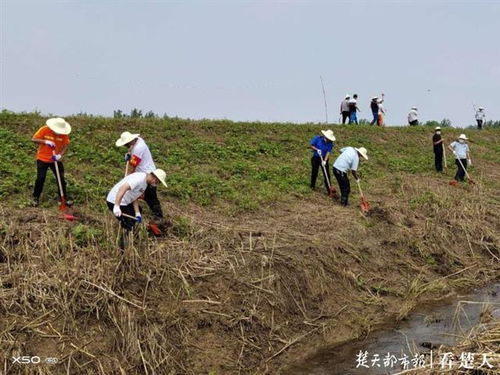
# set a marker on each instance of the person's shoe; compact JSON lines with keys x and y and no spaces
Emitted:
{"x":35,"y":202}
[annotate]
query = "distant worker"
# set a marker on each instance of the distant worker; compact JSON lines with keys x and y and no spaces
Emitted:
{"x":381,"y":113}
{"x":344,"y":108}
{"x":413,"y":116}
{"x":438,"y":146}
{"x":353,"y":109}
{"x":461,"y":151}
{"x":53,"y":142}
{"x":322,"y":146}
{"x":480,"y":116}
{"x":139,"y":159}
{"x":123,"y":198}
{"x":374,"y":108}
{"x":347,"y":161}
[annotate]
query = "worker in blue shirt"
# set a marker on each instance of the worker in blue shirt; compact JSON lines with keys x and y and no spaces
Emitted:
{"x":322,"y":146}
{"x":347,"y":161}
{"x":461,"y":151}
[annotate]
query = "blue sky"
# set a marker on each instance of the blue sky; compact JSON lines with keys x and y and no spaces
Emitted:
{"x":251,"y":60}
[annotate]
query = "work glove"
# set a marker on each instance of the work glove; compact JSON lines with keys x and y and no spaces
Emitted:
{"x":117,"y":211}
{"x":127,"y":156}
{"x":358,"y":180}
{"x":50,"y":144}
{"x":455,"y":153}
{"x":56,"y":157}
{"x":138,"y":218}
{"x":319,"y":152}
{"x":469,"y":162}
{"x":323,"y":163}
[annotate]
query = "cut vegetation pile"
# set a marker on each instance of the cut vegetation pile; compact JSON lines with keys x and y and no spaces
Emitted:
{"x":256,"y":270}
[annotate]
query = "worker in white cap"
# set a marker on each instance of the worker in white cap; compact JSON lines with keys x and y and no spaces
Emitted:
{"x":438,"y":146}
{"x":139,"y":159}
{"x":413,"y":116}
{"x":480,"y":116}
{"x":348,"y":160}
{"x":344,"y":108}
{"x":53,"y":142}
{"x":461,"y":151}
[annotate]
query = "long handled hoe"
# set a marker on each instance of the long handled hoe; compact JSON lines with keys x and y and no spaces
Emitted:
{"x":62,"y":205}
{"x":470,"y":180}
{"x":364,"y":205}
{"x":332,"y":193}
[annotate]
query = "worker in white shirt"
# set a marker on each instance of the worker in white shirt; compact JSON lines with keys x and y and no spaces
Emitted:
{"x":139,"y":159}
{"x":413,"y":116}
{"x":461,"y":151}
{"x":344,"y":108}
{"x":480,"y":116}
{"x":347,"y":161}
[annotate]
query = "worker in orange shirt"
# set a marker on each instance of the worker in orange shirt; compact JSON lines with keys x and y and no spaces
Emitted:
{"x":53,"y":141}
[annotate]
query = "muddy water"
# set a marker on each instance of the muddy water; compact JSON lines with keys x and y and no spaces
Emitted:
{"x":421,"y":333}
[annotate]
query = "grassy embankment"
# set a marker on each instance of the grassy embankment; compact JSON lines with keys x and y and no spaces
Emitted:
{"x":256,"y":270}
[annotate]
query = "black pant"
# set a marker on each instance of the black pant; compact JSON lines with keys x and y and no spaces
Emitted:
{"x":345,"y":116}
{"x":460,"y":175}
{"x":479,"y":124}
{"x":151,"y":198}
{"x":344,"y":185}
{"x":413,"y":123}
{"x":315,"y":165}
{"x":438,"y":158}
{"x":41,"y":173}
{"x":126,"y":222}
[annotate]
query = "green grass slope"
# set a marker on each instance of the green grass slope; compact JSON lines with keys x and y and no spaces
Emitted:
{"x":257,"y":270}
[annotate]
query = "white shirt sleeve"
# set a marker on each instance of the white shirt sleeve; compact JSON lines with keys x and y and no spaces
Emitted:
{"x":134,"y":180}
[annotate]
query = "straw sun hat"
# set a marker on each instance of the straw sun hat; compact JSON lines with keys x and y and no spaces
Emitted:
{"x":58,"y":125}
{"x":125,"y":138}
{"x":363,"y":152}
{"x":328,"y":134}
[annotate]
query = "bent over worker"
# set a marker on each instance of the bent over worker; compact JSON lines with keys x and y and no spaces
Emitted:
{"x":322,"y":146}
{"x":53,"y":142}
{"x":139,"y":159}
{"x":123,"y":198}
{"x":347,"y":161}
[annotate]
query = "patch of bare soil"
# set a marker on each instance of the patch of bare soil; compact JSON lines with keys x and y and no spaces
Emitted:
{"x":244,"y":294}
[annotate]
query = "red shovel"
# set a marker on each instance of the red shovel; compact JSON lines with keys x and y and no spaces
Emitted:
{"x":151,"y":226}
{"x":62,"y":205}
{"x":364,"y":205}
{"x":332,"y":193}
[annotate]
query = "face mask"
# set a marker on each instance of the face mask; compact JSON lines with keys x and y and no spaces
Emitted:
{"x":461,"y":140}
{"x":438,"y":132}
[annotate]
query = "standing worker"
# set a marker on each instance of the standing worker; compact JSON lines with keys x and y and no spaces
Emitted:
{"x":353,"y":109}
{"x":53,"y":141}
{"x":381,"y":113}
{"x":413,"y":116}
{"x":139,"y":159}
{"x":374,"y":108}
{"x":437,"y":141}
{"x":344,"y":108}
{"x":322,"y":146}
{"x":480,"y":116}
{"x":347,"y":161}
{"x":461,"y":150}
{"x":123,"y":198}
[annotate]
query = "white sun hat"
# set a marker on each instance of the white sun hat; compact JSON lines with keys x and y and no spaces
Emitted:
{"x":375,"y":98}
{"x":437,"y":128}
{"x":481,"y":108}
{"x":415,"y":108}
{"x":363,"y":152}
{"x":161,"y":175}
{"x":58,"y":125}
{"x":328,"y":134}
{"x":125,"y":138}
{"x":463,"y":136}
{"x":347,"y":96}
